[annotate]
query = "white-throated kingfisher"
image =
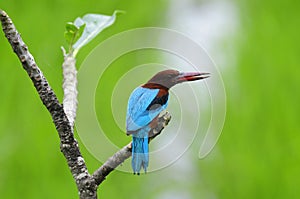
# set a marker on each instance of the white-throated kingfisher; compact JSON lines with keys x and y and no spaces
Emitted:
{"x":145,"y":103}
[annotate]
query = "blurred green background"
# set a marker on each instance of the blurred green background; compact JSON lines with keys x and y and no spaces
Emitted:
{"x":258,"y":153}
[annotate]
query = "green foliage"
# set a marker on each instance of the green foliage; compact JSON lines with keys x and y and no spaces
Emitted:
{"x":95,"y":23}
{"x":73,"y":33}
{"x":84,"y":29}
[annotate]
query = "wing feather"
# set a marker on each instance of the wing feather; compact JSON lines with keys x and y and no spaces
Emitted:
{"x":137,"y":114}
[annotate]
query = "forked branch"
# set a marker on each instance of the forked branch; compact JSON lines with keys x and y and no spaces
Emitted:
{"x":68,"y":144}
{"x":64,"y":115}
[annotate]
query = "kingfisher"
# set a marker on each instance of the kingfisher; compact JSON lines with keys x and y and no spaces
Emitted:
{"x":145,"y":104}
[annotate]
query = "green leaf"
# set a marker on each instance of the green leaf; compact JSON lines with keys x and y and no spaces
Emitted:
{"x":73,"y":33}
{"x":95,"y":23}
{"x":71,"y":27}
{"x":70,"y":32}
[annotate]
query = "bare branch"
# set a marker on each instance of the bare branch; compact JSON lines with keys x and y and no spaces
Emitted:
{"x":70,"y":87}
{"x":119,"y":157}
{"x":64,"y":116}
{"x":69,"y":145}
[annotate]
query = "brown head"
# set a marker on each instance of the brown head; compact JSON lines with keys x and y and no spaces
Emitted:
{"x":169,"y":78}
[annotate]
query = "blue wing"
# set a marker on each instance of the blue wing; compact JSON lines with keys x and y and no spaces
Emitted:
{"x":143,"y":107}
{"x":137,"y":114}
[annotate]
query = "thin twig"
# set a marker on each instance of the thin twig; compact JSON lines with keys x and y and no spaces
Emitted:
{"x":70,"y":87}
{"x":119,"y":157}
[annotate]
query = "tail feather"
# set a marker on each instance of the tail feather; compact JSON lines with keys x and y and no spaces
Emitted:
{"x":140,"y":154}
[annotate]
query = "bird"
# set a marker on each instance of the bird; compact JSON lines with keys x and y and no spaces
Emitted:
{"x":145,"y":104}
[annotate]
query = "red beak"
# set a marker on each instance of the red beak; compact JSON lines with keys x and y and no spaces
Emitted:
{"x":192,"y":76}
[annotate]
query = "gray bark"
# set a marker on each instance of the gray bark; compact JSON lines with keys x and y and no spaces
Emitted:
{"x":63,"y":117}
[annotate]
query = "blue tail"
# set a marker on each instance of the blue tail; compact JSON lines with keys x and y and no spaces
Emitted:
{"x":140,"y":155}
